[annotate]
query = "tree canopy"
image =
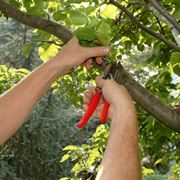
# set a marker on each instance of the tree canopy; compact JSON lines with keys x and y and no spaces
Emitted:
{"x":144,"y":37}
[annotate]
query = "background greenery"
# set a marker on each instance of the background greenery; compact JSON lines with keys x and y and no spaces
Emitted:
{"x":49,"y":146}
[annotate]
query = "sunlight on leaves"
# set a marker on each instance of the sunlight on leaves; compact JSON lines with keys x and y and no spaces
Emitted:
{"x":109,"y":11}
{"x":49,"y":53}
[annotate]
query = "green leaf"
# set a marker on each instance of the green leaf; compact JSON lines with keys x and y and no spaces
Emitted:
{"x":140,"y":47}
{"x":85,"y":34}
{"x":65,"y":157}
{"x":27,"y":4}
{"x":27,"y":49}
{"x":59,"y":15}
{"x":104,"y":33}
{"x":147,"y":171}
{"x":64,"y":178}
{"x":176,"y":69}
{"x":109,"y":11}
{"x":90,"y":9}
{"x":157,"y":162}
{"x":89,"y":43}
{"x":36,"y":11}
{"x":76,"y":168}
{"x":175,"y":63}
{"x":175,"y":58}
{"x":40,"y":36}
{"x":176,"y":13}
{"x":74,"y":1}
{"x":78,"y":18}
{"x":70,"y":148}
{"x":49,"y":53}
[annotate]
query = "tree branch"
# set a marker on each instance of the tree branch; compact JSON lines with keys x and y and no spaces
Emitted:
{"x":144,"y":28}
{"x":162,"y":17}
{"x":165,"y":14}
{"x":36,"y":22}
{"x":162,"y":30}
{"x":162,"y":112}
{"x":168,"y":116}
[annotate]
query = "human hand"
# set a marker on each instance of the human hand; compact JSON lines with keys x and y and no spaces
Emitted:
{"x":116,"y":95}
{"x":73,"y":54}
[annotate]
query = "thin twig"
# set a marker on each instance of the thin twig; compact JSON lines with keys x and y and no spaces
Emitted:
{"x":165,"y":14}
{"x":162,"y":29}
{"x":144,"y":28}
{"x":136,"y":3}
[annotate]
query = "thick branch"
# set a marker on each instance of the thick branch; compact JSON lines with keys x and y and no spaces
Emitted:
{"x":36,"y":22}
{"x":170,"y":117}
{"x":165,"y":14}
{"x":144,"y":28}
{"x":162,"y":112}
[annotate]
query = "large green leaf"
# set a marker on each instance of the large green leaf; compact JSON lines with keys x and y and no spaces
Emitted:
{"x":104,"y":33}
{"x":59,"y":15}
{"x":78,"y":18}
{"x":109,"y":11}
{"x":175,"y":62}
{"x":175,"y":58}
{"x":85,"y":34}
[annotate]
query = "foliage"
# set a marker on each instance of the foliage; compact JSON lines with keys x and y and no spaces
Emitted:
{"x":149,"y":61}
{"x":50,"y":127}
{"x":13,"y":38}
{"x":175,"y":170}
{"x":87,"y":157}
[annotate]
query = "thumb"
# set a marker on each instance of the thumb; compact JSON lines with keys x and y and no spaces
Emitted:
{"x":97,"y":51}
{"x":100,"y":81}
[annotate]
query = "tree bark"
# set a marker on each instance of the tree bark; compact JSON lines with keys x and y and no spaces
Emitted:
{"x":164,"y":13}
{"x":150,"y":103}
{"x":165,"y":114}
{"x":163,"y":17}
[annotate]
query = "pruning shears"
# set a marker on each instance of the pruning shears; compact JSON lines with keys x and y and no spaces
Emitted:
{"x":95,"y":101}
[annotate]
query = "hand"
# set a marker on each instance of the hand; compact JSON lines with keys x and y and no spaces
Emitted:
{"x":116,"y":95}
{"x":74,"y":54}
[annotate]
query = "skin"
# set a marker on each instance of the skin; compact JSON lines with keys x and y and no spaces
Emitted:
{"x":121,"y":159}
{"x":17,"y":103}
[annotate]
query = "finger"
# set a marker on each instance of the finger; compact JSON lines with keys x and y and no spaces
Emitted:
{"x":88,"y":63}
{"x":89,"y":94}
{"x":99,"y":60}
{"x":86,"y":99}
{"x":96,"y":51}
{"x":100,"y":107}
{"x":85,"y":106}
{"x":100,"y":81}
{"x":97,"y":114}
{"x":83,"y":64}
{"x":101,"y":100}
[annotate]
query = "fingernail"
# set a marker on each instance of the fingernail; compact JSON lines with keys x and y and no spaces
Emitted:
{"x":106,"y":50}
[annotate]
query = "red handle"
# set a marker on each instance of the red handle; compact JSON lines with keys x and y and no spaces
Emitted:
{"x":104,"y":113}
{"x":91,"y":108}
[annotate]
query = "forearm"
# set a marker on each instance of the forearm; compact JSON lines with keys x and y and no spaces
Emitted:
{"x":121,"y":160}
{"x":17,"y":103}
